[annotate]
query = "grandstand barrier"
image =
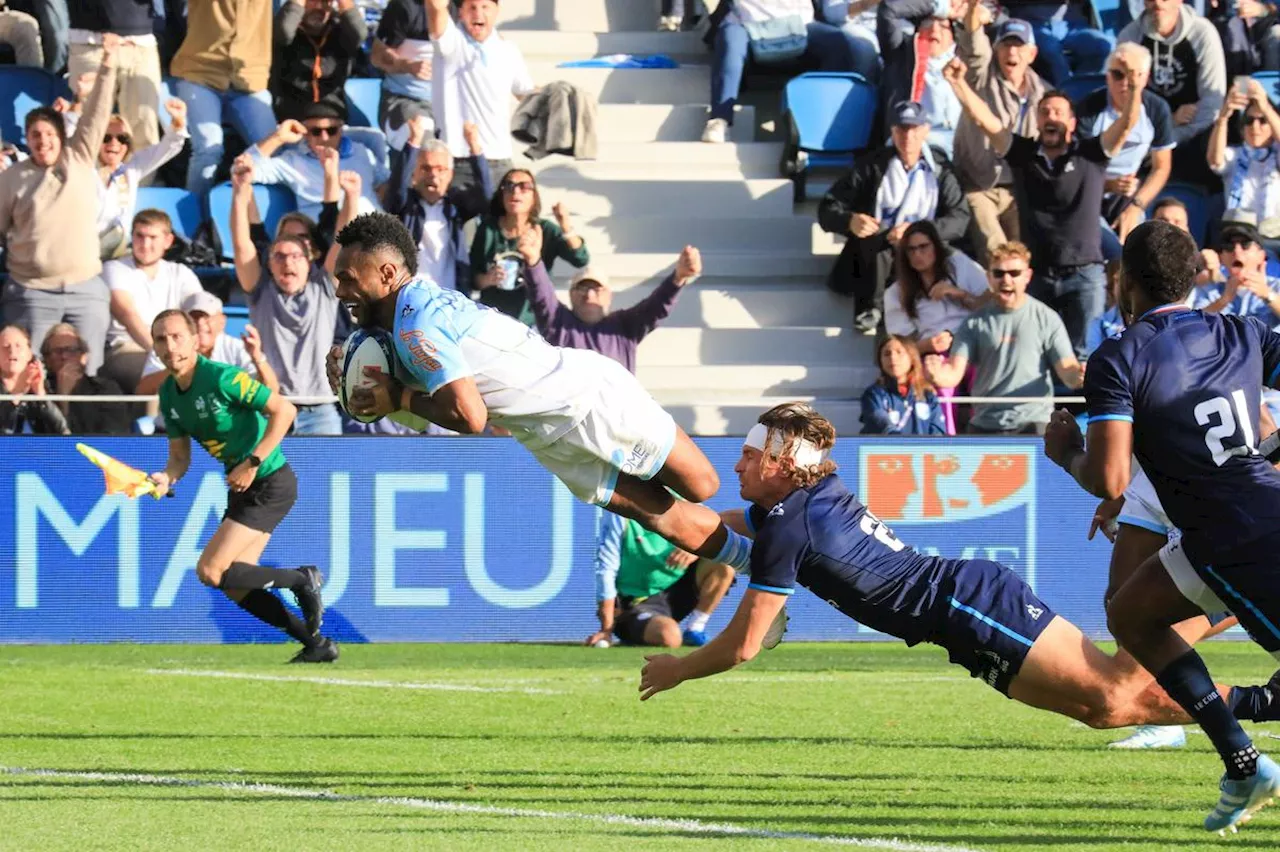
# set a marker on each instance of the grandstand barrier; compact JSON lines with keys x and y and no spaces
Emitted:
{"x":469,"y":539}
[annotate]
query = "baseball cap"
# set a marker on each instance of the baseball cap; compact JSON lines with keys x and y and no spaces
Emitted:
{"x":1239,"y":231}
{"x":589,"y":275}
{"x":1018,"y":29}
{"x":908,"y":114}
{"x":203,"y":302}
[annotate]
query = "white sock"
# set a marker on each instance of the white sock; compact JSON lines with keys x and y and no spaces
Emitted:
{"x":698,"y":621}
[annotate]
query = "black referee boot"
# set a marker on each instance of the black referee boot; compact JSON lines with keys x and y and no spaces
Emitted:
{"x":309,"y":599}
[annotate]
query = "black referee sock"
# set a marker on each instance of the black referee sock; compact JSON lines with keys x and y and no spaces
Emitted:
{"x":268,"y":608}
{"x":242,"y":575}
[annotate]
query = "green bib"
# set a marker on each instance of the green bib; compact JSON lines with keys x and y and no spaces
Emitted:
{"x":643,"y":569}
{"x":223,"y":411}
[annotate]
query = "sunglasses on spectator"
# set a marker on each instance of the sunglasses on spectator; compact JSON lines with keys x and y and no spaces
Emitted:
{"x":1007,"y":273}
{"x":512,"y":186}
{"x":1254,"y":119}
{"x":325,"y":130}
{"x":122,"y":138}
{"x":1116,"y":74}
{"x":1237,"y":243}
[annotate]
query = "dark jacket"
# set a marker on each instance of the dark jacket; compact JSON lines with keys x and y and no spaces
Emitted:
{"x":461,"y":205}
{"x":43,"y":418}
{"x":98,"y":418}
{"x":896,"y":22}
{"x":617,"y":335}
{"x":296,"y":82}
{"x":122,"y":17}
{"x":856,"y":193}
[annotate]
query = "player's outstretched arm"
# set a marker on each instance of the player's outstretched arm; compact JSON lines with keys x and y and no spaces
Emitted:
{"x":739,"y":642}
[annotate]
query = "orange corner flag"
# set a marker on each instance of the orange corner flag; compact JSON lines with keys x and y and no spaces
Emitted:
{"x":121,"y":479}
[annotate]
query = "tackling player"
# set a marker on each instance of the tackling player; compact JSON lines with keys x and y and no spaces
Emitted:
{"x":809,"y":529}
{"x":1180,"y":390}
{"x":223,"y":408}
{"x":584,"y":417}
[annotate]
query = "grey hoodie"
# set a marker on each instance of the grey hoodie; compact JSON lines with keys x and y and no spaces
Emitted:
{"x":1187,"y":67}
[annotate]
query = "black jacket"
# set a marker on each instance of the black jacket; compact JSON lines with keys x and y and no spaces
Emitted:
{"x":856,"y":193}
{"x":44,"y":418}
{"x":122,"y":17}
{"x":295,"y":83}
{"x":98,"y":418}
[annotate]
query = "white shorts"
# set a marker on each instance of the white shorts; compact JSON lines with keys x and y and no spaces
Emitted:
{"x":625,"y":431}
{"x":1142,"y":508}
{"x":1184,"y":576}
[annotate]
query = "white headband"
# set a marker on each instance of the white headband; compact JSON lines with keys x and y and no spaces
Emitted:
{"x":805,"y":453}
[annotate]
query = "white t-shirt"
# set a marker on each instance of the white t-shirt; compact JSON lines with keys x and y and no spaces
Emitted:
{"x":1253,"y":184}
{"x":475,"y":82}
{"x":934,"y":316}
{"x":173,"y":283}
{"x":436,"y":258}
{"x":226,"y":350}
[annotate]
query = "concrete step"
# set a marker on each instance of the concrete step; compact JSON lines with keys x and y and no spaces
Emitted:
{"x":593,"y":198}
{"x":672,"y":173}
{"x":587,"y":16}
{"x":673,"y":346}
{"x":670,"y":233}
{"x":716,"y":382}
{"x":665,"y":123}
{"x":560,"y":46}
{"x":690,"y":84}
{"x":747,"y":155}
{"x":738,"y":416}
{"x":716,"y":303}
{"x":743,"y":265}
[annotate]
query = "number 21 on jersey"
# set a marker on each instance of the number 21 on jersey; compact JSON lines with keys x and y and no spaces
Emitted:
{"x":1218,"y":411}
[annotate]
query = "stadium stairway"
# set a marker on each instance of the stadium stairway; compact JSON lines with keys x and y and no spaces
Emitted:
{"x":760,"y":326}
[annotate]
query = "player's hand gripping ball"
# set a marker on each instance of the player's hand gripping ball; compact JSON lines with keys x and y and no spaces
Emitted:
{"x":364,"y":348}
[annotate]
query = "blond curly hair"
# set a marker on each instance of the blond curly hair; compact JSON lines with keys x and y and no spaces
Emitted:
{"x":794,"y":422}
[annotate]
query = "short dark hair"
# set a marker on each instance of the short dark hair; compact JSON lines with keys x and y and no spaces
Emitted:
{"x":174,"y":312}
{"x":1161,"y":260}
{"x":374,"y":231}
{"x":1058,"y":93}
{"x":1168,"y":201}
{"x":47,"y":114}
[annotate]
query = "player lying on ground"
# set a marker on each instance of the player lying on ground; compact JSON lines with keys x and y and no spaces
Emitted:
{"x":223,"y":409}
{"x":809,"y":529}
{"x":584,"y":417}
{"x":1180,"y":390}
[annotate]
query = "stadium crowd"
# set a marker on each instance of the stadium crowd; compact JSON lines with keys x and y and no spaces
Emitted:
{"x":1022,"y":144}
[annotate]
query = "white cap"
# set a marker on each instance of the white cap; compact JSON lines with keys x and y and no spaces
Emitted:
{"x":590,"y":275}
{"x":204,"y":301}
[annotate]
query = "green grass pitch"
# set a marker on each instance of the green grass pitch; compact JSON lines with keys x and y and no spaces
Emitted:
{"x":509,"y":747}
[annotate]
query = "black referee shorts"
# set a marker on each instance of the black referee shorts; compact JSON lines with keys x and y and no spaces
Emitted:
{"x":264,"y":504}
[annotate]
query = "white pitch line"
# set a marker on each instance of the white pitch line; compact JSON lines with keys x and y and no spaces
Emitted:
{"x":339,"y":681}
{"x":683,"y":826}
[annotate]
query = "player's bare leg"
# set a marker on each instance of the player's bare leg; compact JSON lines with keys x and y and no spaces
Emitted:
{"x":662,"y":632}
{"x":689,"y":526}
{"x":714,"y":581}
{"x":688,"y":471}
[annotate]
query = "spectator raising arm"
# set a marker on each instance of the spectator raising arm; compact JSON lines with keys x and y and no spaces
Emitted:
{"x":437,"y":17}
{"x":248,"y":265}
{"x":289,"y":132}
{"x":1001,"y":137}
{"x":1113,"y":137}
{"x":97,"y":110}
{"x":351,"y":185}
{"x":549,"y":314}
{"x":1237,"y":102}
{"x":644,"y":316}
{"x":253,"y":346}
{"x":125,"y":311}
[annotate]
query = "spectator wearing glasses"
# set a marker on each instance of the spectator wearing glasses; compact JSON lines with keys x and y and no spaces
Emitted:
{"x":123,"y":171}
{"x":901,"y":401}
{"x":1016,"y":345}
{"x":1250,"y":171}
{"x":1006,"y":83}
{"x":22,"y":375}
{"x":1248,"y":290}
{"x":878,"y":200}
{"x":423,"y":195}
{"x":223,"y":69}
{"x":1060,"y":180}
{"x":65,"y":355}
{"x":316,"y":46}
{"x":299,"y":167}
{"x":497,"y":266}
{"x":477,"y":75}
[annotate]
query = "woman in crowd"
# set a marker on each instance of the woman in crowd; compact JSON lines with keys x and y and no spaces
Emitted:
{"x":1251,"y":171}
{"x":936,"y":290}
{"x":21,"y":373}
{"x":901,"y":401}
{"x":122,"y":171}
{"x":495,"y":261}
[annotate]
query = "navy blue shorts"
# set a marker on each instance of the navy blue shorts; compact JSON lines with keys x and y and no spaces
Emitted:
{"x":1247,"y":584}
{"x":992,"y":621}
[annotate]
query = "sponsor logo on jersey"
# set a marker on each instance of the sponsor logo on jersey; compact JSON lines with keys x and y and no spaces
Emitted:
{"x":201,"y":408}
{"x":407,"y":311}
{"x":245,"y":386}
{"x":1034,"y":611}
{"x":422,"y":350}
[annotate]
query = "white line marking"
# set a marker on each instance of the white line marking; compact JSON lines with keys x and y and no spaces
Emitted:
{"x":339,"y":681}
{"x":685,"y":826}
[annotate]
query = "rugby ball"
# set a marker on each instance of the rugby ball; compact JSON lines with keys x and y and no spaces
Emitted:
{"x":364,"y":348}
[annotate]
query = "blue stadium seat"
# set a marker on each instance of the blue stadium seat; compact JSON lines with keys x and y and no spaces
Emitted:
{"x":183,"y":207}
{"x":1108,"y":12}
{"x":22,"y":89}
{"x":828,"y":117}
{"x":363,"y":95}
{"x":273,"y":202}
{"x":1197,"y":202}
{"x":237,"y":319}
{"x":1082,"y":84}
